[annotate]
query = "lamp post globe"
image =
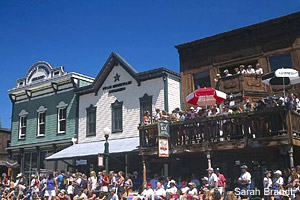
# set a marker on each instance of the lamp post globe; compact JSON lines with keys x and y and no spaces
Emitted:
{"x":106,"y":146}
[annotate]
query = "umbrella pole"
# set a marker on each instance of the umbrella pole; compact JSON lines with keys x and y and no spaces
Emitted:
{"x":283,"y":89}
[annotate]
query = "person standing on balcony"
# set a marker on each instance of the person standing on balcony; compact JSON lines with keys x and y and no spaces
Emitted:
{"x":226,"y":72}
{"x":250,"y":70}
{"x":146,"y":118}
{"x":157,"y":115}
{"x":242,"y":69}
{"x":237,"y":71}
{"x":258,"y":69}
{"x":245,"y":180}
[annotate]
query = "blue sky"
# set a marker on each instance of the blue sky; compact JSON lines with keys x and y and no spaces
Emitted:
{"x":80,"y":34}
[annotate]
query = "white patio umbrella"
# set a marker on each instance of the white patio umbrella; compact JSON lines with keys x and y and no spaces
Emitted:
{"x":284,"y":76}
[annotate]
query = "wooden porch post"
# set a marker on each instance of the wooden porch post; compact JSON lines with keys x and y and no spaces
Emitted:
{"x":290,"y":136}
{"x":144,"y":172}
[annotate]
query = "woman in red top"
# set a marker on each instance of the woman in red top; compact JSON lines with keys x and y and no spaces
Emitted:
{"x":105,"y":182}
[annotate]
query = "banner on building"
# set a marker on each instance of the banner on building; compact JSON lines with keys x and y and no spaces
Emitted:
{"x":163,"y":147}
{"x":163,"y":129}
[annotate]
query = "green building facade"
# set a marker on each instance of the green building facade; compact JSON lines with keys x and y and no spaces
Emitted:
{"x":44,"y":117}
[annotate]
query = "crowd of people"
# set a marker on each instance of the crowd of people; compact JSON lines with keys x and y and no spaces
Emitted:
{"x":291,"y":101}
{"x":70,"y":186}
{"x":241,"y":70}
{"x":114,"y":186}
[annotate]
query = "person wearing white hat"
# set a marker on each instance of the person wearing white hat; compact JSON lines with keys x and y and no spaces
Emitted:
{"x":226,"y":72}
{"x":172,"y":190}
{"x":278,"y":183}
{"x":212,"y":179}
{"x":245,"y":179}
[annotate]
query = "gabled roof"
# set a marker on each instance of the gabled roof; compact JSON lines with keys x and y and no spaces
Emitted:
{"x":115,"y":59}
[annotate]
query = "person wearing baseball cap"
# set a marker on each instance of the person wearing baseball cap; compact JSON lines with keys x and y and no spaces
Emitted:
{"x":212,"y":179}
{"x":184,"y":188}
{"x":221,"y":181}
{"x":148,"y":192}
{"x":245,"y":179}
{"x":267,"y":182}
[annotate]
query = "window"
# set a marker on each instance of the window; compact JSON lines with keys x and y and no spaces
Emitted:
{"x":62,"y":112}
{"x":22,"y":127}
{"x":22,"y":124}
{"x":41,"y":124}
{"x":41,"y":121}
{"x":145,"y":105}
{"x":202,"y":80}
{"x":281,"y":61}
{"x":117,"y":118}
{"x":91,"y":120}
{"x":61,"y":117}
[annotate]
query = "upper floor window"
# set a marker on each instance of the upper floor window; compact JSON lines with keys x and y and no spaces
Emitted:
{"x":202,"y":80}
{"x":117,"y":116}
{"x":41,"y":121}
{"x":91,"y":120}
{"x":281,"y":61}
{"x":22,"y":124}
{"x":61,"y":117}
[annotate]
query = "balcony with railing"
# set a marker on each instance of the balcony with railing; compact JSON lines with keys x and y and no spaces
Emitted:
{"x":269,"y":127}
{"x":242,"y":84}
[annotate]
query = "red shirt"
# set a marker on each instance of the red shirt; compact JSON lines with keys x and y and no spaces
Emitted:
{"x":105,"y":179}
{"x":221,"y":180}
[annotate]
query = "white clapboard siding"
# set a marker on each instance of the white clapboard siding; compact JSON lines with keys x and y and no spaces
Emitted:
{"x":173,"y":94}
{"x":131,"y":105}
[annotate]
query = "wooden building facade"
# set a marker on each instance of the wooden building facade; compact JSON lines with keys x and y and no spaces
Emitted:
{"x":266,"y":139}
{"x":273,"y":44}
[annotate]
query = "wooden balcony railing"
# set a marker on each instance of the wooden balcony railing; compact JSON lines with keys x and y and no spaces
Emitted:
{"x":246,"y":83}
{"x":232,"y":127}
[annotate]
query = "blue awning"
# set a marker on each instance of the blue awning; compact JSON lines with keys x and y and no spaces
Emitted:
{"x":95,"y":148}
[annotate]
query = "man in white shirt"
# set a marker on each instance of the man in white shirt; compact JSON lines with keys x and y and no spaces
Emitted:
{"x":159,"y":192}
{"x":226,"y":72}
{"x":242,"y":69}
{"x":184,"y":188}
{"x":148,"y":193}
{"x":267,"y":183}
{"x":80,"y":196}
{"x":278,"y":183}
{"x":250,"y":70}
{"x":258,"y":69}
{"x":212,"y":179}
{"x":245,"y":179}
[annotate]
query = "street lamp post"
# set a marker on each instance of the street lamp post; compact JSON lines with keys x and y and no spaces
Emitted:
{"x":106,"y":147}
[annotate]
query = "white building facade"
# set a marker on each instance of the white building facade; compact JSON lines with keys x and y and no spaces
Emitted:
{"x":117,"y":99}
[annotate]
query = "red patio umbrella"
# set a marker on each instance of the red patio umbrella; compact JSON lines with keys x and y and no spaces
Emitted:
{"x":205,"y":97}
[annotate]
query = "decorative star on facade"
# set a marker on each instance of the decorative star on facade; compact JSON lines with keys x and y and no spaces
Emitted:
{"x":117,"y":77}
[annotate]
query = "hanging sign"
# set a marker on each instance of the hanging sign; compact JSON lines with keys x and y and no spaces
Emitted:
{"x":100,"y":160}
{"x":163,"y":147}
{"x":163,"y":129}
{"x":81,"y":162}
